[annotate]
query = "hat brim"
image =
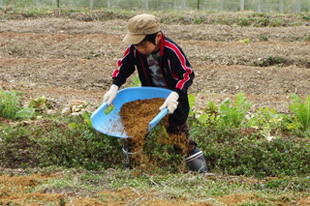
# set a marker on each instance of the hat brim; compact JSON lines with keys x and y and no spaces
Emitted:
{"x":133,"y":39}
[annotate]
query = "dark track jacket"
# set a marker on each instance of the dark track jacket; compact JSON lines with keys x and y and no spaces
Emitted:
{"x":175,"y":69}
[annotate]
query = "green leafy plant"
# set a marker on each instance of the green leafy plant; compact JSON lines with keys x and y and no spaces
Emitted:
{"x":199,"y":20}
{"x":87,"y":119}
{"x":267,"y":122}
{"x":191,"y":101}
{"x":40,"y":104}
{"x":25,"y":112}
{"x":211,"y":109}
{"x":233,"y":116}
{"x":232,"y":152}
{"x":301,"y":110}
{"x":305,"y":17}
{"x":9,"y":106}
{"x":269,"y":61}
{"x":65,"y":141}
{"x":135,"y":82}
{"x":247,"y":40}
{"x":244,"y":22}
{"x":16,"y":49}
{"x":210,"y":114}
{"x":93,"y":55}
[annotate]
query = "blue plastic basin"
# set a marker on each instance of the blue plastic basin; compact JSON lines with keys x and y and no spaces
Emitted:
{"x":110,"y":124}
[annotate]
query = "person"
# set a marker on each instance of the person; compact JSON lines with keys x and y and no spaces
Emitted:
{"x":160,"y":63}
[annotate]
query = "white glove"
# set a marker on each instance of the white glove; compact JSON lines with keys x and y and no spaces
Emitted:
{"x":171,"y":102}
{"x":111,"y":94}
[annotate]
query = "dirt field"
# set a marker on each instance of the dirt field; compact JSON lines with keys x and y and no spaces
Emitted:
{"x":65,"y":60}
{"x":19,"y":188}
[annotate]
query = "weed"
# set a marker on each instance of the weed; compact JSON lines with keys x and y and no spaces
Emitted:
{"x":305,"y":17}
{"x":262,"y":37}
{"x":247,"y":40}
{"x":25,"y":113}
{"x":207,"y":58}
{"x":67,"y":142}
{"x":233,"y":117}
{"x":269,"y":61}
{"x":9,"y":106}
{"x":301,"y":110}
{"x":266,"y":121}
{"x":210,"y":114}
{"x":199,"y":20}
{"x":244,"y":22}
{"x":278,"y":22}
{"x":255,"y":14}
{"x":87,"y":116}
{"x":40,"y":104}
{"x":93,"y":55}
{"x":191,"y":101}
{"x":241,"y":154}
{"x":72,"y":142}
{"x":211,"y":109}
{"x":16,"y":49}
{"x":135,"y":82}
{"x":263,"y":22}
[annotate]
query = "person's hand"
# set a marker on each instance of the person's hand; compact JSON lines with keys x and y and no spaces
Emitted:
{"x":111,"y":94}
{"x":171,"y":102}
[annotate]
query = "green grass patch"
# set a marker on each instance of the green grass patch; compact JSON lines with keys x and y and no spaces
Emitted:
{"x":167,"y":16}
{"x":266,"y":144}
{"x":119,"y":185}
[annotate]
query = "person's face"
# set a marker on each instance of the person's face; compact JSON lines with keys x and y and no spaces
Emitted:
{"x":147,"y":47}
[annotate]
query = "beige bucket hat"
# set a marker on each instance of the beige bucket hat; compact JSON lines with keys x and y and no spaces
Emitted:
{"x":139,"y":26}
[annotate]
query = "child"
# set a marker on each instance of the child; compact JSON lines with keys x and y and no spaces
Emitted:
{"x":160,"y":63}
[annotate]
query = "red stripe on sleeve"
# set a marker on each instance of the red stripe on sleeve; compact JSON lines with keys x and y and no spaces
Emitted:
{"x":182,"y":60}
{"x":120,"y":63}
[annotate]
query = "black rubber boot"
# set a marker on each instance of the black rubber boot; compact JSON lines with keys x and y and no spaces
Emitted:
{"x":196,"y":161}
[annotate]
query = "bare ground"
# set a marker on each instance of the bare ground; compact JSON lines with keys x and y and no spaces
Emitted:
{"x":65,"y":59}
{"x":20,"y":188}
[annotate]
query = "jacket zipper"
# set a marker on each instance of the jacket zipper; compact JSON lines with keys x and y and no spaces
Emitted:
{"x":144,"y":71}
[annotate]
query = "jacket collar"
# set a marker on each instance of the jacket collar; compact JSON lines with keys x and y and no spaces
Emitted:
{"x":162,"y":45}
